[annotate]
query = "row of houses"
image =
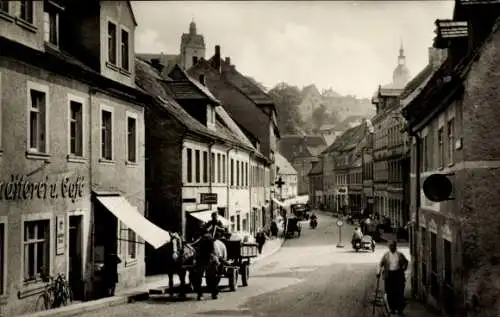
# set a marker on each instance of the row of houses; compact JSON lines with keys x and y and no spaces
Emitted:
{"x":434,"y":145}
{"x":104,"y":153}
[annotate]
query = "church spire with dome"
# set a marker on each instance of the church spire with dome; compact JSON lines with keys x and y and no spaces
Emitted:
{"x":192,"y":47}
{"x":401,"y":75}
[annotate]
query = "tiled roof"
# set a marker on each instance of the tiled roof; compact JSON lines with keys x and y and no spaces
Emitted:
{"x":292,"y":146}
{"x":167,"y":60}
{"x":348,"y":138}
{"x":245,"y":85}
{"x":317,"y":169}
{"x":228,"y":94}
{"x":148,"y":79}
{"x":182,"y":76}
{"x":285,"y":168}
{"x":417,"y":80}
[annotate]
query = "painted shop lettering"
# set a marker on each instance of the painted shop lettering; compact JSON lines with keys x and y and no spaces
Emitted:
{"x":21,"y":188}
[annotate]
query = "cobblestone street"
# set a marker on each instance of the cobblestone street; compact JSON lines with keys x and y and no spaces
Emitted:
{"x":308,"y":276}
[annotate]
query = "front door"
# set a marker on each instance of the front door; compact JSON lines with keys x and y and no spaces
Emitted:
{"x":75,"y":277}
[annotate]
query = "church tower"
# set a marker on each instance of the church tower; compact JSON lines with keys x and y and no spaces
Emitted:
{"x":192,"y":47}
{"x":401,"y":75}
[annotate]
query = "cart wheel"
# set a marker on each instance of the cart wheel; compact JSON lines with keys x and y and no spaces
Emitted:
{"x":233,"y":279}
{"x":245,"y":274}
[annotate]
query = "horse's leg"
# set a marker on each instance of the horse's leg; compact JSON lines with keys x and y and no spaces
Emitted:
{"x":198,"y":281}
{"x":213,"y":280}
{"x":171,"y":282}
{"x":182,"y":277}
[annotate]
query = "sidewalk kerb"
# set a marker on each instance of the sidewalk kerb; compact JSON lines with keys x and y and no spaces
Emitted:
{"x":117,"y":300}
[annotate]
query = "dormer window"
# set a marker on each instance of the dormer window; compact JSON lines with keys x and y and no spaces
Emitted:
{"x":26,"y":12}
{"x":4,"y":6}
{"x":125,"y":49}
{"x":51,"y":26}
{"x":210,"y":117}
{"x":112,"y":43}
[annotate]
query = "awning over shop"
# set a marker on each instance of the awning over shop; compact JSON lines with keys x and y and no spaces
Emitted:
{"x":129,"y":215}
{"x":206,"y":216}
{"x":277,"y":202}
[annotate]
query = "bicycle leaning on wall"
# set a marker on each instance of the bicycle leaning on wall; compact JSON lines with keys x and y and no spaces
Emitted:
{"x":57,"y":293}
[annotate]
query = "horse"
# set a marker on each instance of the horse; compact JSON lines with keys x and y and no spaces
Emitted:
{"x":209,"y":263}
{"x":179,"y":255}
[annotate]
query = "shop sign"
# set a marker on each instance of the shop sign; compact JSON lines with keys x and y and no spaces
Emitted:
{"x":60,"y":235}
{"x":22,"y":188}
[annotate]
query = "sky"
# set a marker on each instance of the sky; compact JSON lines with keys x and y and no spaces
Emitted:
{"x":349,"y":46}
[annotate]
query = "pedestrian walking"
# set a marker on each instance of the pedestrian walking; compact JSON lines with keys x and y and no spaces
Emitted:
{"x":393,"y":265}
{"x":111,"y":262}
{"x":274,"y":228}
{"x":261,"y":238}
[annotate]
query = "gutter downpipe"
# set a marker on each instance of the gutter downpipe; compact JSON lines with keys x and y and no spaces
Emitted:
{"x":92,"y":91}
{"x":228,"y":177}
{"x":212,"y":172}
{"x":416,"y":229}
{"x":252,"y":215}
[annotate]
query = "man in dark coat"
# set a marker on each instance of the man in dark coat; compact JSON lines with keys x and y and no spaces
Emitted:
{"x":215,"y":227}
{"x":111,"y":262}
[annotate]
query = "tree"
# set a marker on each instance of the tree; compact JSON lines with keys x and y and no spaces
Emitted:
{"x":287,"y":98}
{"x":319,"y":117}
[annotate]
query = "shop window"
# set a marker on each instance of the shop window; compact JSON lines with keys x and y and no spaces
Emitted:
{"x":36,"y":249}
{"x":132,"y":139}
{"x":76,"y":128}
{"x":131,"y":245}
{"x":189,"y":165}
{"x":26,"y":11}
{"x":38,"y":119}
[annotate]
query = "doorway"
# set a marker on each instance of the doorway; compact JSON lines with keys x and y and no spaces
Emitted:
{"x":75,"y":276}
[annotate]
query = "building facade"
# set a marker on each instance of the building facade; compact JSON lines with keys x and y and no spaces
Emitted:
{"x":79,"y":131}
{"x":390,"y":152}
{"x":452,"y":123}
{"x":288,"y":176}
{"x":213,"y":171}
{"x":316,"y":196}
{"x":302,"y":152}
{"x":250,"y":107}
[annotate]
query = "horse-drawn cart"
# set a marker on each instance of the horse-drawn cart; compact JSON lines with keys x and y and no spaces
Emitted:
{"x":238,"y":262}
{"x":293,"y":226}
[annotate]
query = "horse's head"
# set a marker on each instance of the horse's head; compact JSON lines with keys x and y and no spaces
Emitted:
{"x":176,"y":245}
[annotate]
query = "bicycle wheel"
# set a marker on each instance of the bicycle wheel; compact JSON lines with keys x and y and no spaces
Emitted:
{"x":67,"y":296}
{"x":42,"y":302}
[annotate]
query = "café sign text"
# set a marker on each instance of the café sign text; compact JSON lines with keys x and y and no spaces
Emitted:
{"x":21,"y":188}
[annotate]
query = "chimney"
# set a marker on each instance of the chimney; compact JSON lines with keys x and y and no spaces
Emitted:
{"x":436,"y":57}
{"x":202,"y":80}
{"x":228,"y":60}
{"x":155,"y":62}
{"x":195,"y":60}
{"x":217,"y":57}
